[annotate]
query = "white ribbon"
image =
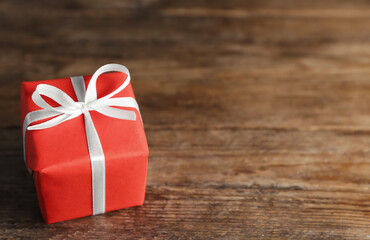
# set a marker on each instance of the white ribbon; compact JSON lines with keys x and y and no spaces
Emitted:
{"x":69,"y":109}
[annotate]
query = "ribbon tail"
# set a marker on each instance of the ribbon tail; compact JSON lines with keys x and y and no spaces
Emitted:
{"x":117,"y":113}
{"x":97,"y":159}
{"x":105,"y":106}
{"x":52,"y":122}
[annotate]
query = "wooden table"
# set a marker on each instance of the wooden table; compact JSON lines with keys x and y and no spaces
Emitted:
{"x":257,"y":114}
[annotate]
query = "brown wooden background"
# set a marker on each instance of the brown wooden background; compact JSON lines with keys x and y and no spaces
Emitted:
{"x":257,"y":113}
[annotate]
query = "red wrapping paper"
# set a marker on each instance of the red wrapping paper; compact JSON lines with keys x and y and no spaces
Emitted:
{"x":59,"y":160}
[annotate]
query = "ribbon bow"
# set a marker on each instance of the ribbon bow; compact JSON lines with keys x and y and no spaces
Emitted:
{"x":69,"y":109}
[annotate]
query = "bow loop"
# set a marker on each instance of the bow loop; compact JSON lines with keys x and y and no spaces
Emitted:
{"x":91,"y":92}
{"x":54,"y":93}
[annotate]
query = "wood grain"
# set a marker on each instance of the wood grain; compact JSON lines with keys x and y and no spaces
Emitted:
{"x":256,"y":112}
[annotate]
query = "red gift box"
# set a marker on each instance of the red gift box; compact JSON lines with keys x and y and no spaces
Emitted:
{"x":59,"y":156}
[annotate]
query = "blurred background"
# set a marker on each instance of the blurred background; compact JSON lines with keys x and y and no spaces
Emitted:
{"x":256,"y":113}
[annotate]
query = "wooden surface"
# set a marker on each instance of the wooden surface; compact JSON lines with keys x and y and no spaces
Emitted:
{"x":257,"y":114}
